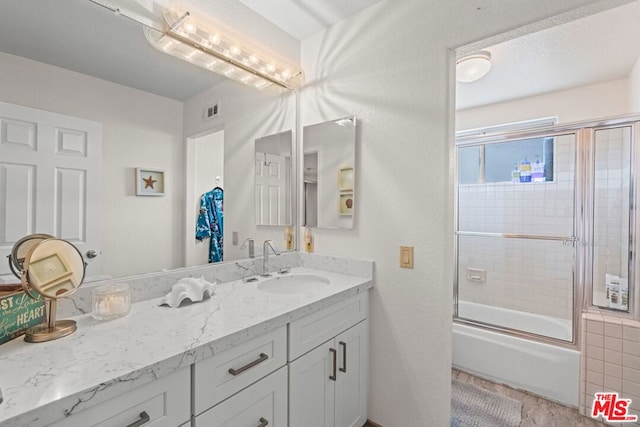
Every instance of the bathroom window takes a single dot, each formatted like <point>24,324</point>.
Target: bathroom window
<point>480,164</point>
<point>497,162</point>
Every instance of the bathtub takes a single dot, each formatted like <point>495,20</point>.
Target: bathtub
<point>547,370</point>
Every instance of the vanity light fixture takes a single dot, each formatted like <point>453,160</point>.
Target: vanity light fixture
<point>218,50</point>
<point>473,67</point>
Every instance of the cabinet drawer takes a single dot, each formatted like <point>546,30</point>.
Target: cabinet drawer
<point>165,402</point>
<point>262,404</point>
<point>309,332</point>
<point>224,374</point>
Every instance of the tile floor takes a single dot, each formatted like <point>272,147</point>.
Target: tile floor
<point>536,411</point>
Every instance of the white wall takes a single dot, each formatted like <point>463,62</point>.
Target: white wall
<point>245,115</point>
<point>583,103</point>
<point>634,88</point>
<point>390,66</point>
<point>140,130</point>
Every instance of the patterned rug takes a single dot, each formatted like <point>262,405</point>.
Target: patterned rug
<point>472,406</point>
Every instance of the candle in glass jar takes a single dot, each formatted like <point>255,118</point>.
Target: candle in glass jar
<point>111,301</point>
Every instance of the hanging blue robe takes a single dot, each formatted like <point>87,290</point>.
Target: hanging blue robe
<point>210,220</point>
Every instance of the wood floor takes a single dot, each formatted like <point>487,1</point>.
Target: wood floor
<point>536,411</point>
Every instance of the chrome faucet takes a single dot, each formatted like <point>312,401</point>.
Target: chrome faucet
<point>265,257</point>
<point>251,251</point>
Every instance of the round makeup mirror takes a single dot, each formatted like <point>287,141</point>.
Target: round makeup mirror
<point>51,268</point>
<point>20,250</point>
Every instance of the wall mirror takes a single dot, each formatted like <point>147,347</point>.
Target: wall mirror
<point>329,189</point>
<point>273,195</point>
<point>147,105</point>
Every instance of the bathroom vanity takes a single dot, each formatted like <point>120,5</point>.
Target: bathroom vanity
<point>256,353</point>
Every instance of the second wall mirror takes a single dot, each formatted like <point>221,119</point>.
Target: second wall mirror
<point>273,181</point>
<point>329,173</point>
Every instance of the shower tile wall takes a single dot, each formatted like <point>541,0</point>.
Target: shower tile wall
<point>527,275</point>
<point>610,360</point>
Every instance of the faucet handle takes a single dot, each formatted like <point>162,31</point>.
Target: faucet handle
<point>251,247</point>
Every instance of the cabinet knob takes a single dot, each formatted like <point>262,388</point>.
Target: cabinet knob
<point>263,422</point>
<point>92,254</point>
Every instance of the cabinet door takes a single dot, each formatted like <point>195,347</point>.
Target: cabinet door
<point>262,404</point>
<point>311,391</point>
<point>351,384</point>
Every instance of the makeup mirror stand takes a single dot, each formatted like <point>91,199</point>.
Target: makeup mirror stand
<point>52,329</point>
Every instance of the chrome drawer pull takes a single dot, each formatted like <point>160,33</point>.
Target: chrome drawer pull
<point>335,357</point>
<point>344,356</point>
<point>260,359</point>
<point>144,418</point>
<point>263,422</point>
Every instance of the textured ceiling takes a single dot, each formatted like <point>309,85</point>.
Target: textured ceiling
<point>302,18</point>
<point>597,48</point>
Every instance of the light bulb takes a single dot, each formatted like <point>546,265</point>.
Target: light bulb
<point>253,59</point>
<point>214,39</point>
<point>271,68</point>
<point>189,28</point>
<point>235,50</point>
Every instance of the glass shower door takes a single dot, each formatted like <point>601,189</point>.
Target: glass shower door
<point>612,230</point>
<point>516,235</point>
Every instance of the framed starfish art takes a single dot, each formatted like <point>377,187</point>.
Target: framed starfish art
<point>149,182</point>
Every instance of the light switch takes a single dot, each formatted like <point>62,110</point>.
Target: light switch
<point>406,256</point>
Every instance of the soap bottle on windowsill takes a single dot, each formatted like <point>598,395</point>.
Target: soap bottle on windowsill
<point>525,170</point>
<point>515,174</point>
<point>537,170</point>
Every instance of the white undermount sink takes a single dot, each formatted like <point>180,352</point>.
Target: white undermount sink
<point>294,284</point>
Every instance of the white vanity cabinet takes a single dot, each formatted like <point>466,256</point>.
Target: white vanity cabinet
<point>164,402</point>
<point>328,384</point>
<point>260,405</point>
<point>238,387</point>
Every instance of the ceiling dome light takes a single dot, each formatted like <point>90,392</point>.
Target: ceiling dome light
<point>473,67</point>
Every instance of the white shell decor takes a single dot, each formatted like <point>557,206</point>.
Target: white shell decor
<point>190,288</point>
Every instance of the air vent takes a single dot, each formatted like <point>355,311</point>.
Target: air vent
<point>211,111</point>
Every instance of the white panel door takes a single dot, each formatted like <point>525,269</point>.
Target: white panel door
<point>50,168</point>
<point>271,193</point>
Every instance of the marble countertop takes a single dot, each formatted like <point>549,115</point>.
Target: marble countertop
<point>45,382</point>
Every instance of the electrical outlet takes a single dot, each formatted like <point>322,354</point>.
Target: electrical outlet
<point>234,238</point>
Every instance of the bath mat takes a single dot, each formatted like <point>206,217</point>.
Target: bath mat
<point>472,406</point>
